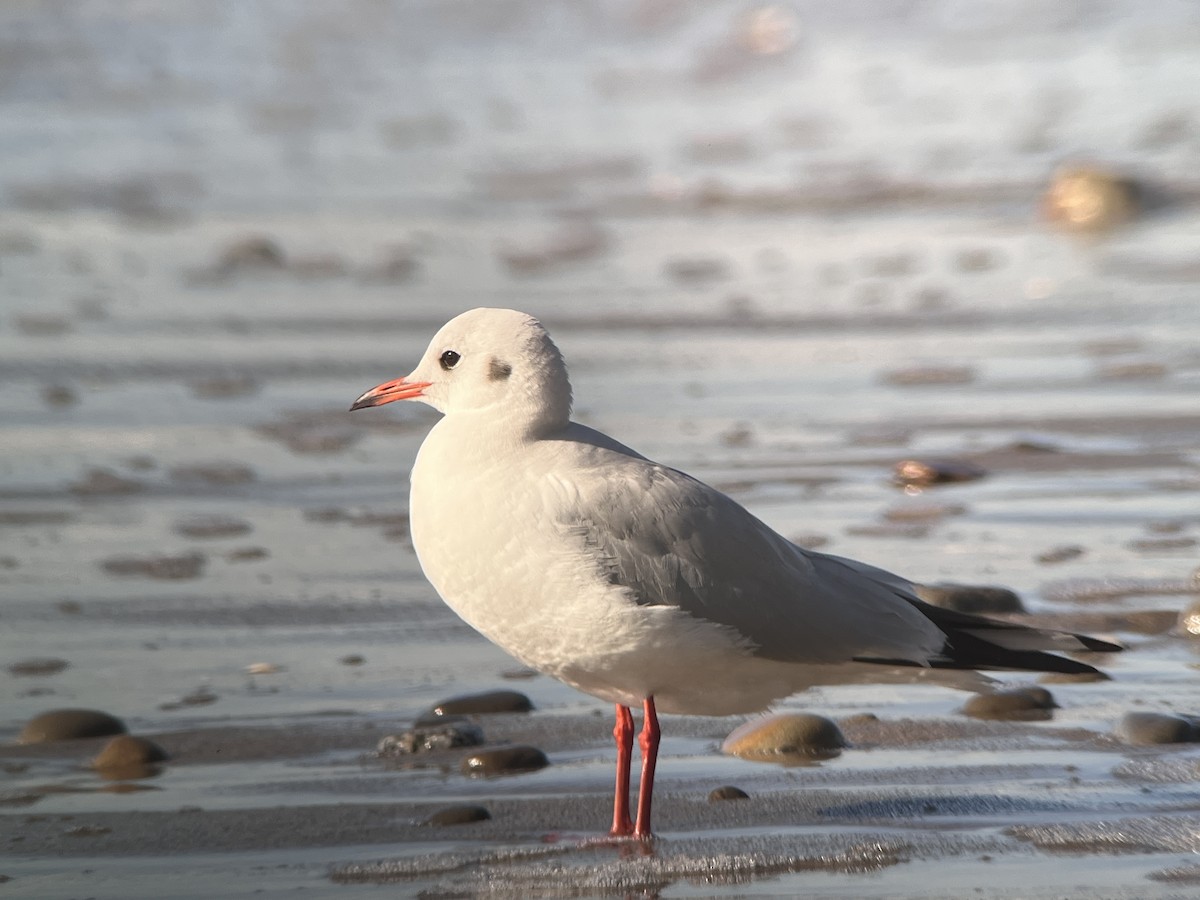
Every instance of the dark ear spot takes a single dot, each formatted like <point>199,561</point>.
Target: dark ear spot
<point>498,370</point>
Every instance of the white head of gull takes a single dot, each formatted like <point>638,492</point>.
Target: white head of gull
<point>632,581</point>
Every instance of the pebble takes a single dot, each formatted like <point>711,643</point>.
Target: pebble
<point>59,395</point>
<point>215,473</point>
<point>211,526</point>
<point>1059,554</point>
<point>727,792</point>
<point>253,253</point>
<point>970,598</point>
<point>486,703</point>
<point>924,472</point>
<point>786,735</point>
<point>504,761</point>
<point>104,482</point>
<point>1157,728</point>
<point>353,659</point>
<point>921,376</point>
<point>1027,704</point>
<point>1090,198</point>
<point>1189,619</point>
<point>264,668</point>
<point>126,756</point>
<point>68,725</point>
<point>1074,677</point>
<point>448,735</point>
<point>462,814</point>
<point>167,568</point>
<point>38,667</point>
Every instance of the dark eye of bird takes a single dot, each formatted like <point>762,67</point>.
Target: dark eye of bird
<point>449,360</point>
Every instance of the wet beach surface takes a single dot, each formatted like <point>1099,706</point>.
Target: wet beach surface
<point>798,254</point>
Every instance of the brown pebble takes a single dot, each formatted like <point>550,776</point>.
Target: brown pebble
<point>922,376</point>
<point>970,598</point>
<point>1089,198</point>
<point>211,526</point>
<point>216,473</point>
<point>1073,677</point>
<point>103,482</point>
<point>779,737</point>
<point>727,792</point>
<point>1027,704</point>
<point>924,472</point>
<point>486,703</point>
<point>59,395</point>
<point>1162,544</point>
<point>129,758</point>
<point>1189,619</point>
<point>462,814</point>
<point>923,512</point>
<point>38,667</point>
<point>446,736</point>
<point>253,253</point>
<point>1144,728</point>
<point>1059,554</point>
<point>69,724</point>
<point>504,761</point>
<point>167,568</point>
<point>353,659</point>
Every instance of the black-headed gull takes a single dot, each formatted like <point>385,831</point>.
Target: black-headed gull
<point>632,581</point>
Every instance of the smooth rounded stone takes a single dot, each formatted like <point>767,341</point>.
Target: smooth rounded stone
<point>445,736</point>
<point>104,483</point>
<point>59,395</point>
<point>1027,704</point>
<point>251,253</point>
<point>923,512</point>
<point>126,751</point>
<point>483,704</point>
<point>1060,554</point>
<point>166,568</point>
<point>38,667</point>
<point>353,659</point>
<point>211,526</point>
<point>1143,728</point>
<point>928,376</point>
<point>775,738</point>
<point>1189,619</point>
<point>462,814</point>
<point>1073,677</point>
<point>1089,198</point>
<point>727,792</point>
<point>924,472</point>
<point>504,761</point>
<point>970,598</point>
<point>69,725</point>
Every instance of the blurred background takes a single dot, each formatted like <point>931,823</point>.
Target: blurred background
<point>915,281</point>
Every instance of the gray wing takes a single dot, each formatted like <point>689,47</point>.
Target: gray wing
<point>670,540</point>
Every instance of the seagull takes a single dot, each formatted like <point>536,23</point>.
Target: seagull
<point>634,582</point>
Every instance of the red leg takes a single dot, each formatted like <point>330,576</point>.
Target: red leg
<point>648,741</point>
<point>622,825</point>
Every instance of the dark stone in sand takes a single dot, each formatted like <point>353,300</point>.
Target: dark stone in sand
<point>211,526</point>
<point>775,738</point>
<point>170,568</point>
<point>969,598</point>
<point>103,482</point>
<point>444,736</point>
<point>1028,704</point>
<point>1059,554</point>
<point>224,388</point>
<point>1162,544</point>
<point>247,554</point>
<point>922,376</point>
<point>254,253</point>
<point>68,725</point>
<point>1073,677</point>
<point>486,703</point>
<point>215,473</point>
<point>924,472</point>
<point>727,792</point>
<point>463,814</point>
<point>353,659</point>
<point>1157,728</point>
<point>129,758</point>
<point>1189,620</point>
<point>504,761</point>
<point>59,395</point>
<point>38,667</point>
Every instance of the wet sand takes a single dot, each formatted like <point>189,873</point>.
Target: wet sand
<point>785,270</point>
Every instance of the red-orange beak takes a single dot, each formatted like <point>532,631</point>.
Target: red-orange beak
<point>389,391</point>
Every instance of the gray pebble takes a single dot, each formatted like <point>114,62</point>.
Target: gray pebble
<point>1157,728</point>
<point>1028,704</point>
<point>727,792</point>
<point>504,761</point>
<point>445,736</point>
<point>969,598</point>
<point>486,703</point>
<point>462,814</point>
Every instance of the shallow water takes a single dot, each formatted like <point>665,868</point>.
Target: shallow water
<point>747,258</point>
